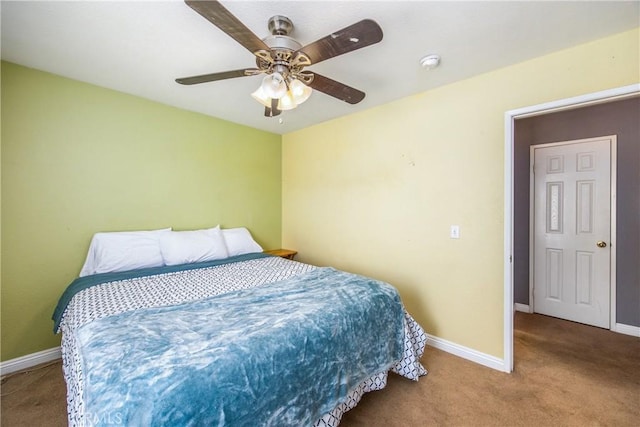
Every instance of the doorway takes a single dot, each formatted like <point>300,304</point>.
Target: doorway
<point>511,204</point>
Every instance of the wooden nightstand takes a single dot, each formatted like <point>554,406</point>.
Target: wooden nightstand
<point>284,253</point>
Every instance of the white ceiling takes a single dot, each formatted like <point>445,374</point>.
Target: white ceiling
<point>140,47</point>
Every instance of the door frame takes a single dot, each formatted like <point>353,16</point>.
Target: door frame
<point>612,209</point>
<point>509,124</point>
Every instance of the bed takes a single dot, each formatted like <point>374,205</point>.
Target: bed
<point>243,340</point>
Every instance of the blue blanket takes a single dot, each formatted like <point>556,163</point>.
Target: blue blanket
<point>282,354</point>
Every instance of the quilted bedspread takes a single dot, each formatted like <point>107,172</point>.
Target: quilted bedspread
<point>281,354</point>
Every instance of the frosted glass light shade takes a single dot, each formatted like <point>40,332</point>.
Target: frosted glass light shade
<point>274,86</point>
<point>261,96</point>
<point>300,91</point>
<point>287,102</point>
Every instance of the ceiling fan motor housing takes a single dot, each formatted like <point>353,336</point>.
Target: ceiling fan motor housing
<point>282,42</point>
<point>281,58</point>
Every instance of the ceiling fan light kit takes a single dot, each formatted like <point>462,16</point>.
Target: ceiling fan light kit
<point>286,84</point>
<point>289,96</point>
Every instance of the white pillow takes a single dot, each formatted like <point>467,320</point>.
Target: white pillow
<point>122,251</point>
<point>185,247</point>
<point>239,241</point>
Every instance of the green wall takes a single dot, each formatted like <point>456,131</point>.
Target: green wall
<point>77,159</point>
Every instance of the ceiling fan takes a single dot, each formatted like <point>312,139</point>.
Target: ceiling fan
<point>287,84</point>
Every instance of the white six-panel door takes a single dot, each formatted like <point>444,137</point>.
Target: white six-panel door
<point>572,230</point>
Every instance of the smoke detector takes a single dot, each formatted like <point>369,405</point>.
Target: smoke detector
<point>430,62</point>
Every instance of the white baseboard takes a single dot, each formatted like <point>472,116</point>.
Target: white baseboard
<point>33,359</point>
<point>627,329</point>
<point>522,307</point>
<point>29,361</point>
<point>467,353</point>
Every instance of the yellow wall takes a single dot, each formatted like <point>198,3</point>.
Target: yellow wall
<point>77,159</point>
<point>376,192</point>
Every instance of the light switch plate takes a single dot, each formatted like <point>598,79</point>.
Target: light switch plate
<point>454,233</point>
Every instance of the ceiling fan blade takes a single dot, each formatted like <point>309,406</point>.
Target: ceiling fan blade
<point>217,76</point>
<point>356,36</point>
<point>219,16</point>
<point>336,89</point>
<point>273,111</point>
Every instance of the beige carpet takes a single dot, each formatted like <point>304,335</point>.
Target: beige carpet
<point>566,374</point>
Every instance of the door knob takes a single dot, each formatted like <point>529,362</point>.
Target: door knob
<point>601,244</point>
